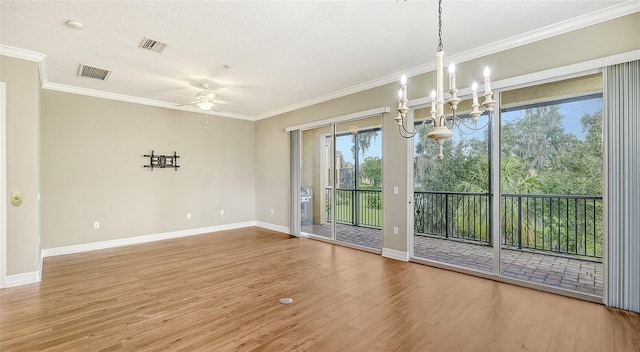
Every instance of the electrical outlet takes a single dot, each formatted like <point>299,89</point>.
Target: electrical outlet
<point>221,211</point>
<point>96,224</point>
<point>395,190</point>
<point>271,211</point>
<point>188,215</point>
<point>395,230</point>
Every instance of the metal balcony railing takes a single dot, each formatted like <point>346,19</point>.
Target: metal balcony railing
<point>357,207</point>
<point>565,224</point>
<point>463,216</point>
<point>553,224</point>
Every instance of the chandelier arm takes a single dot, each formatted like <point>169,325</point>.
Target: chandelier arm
<point>454,117</point>
<point>466,133</point>
<point>475,128</point>
<point>408,135</point>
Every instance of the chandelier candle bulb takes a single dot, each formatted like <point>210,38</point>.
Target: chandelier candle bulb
<point>452,76</point>
<point>403,82</point>
<point>399,117</point>
<point>433,101</point>
<point>487,80</point>
<point>474,91</point>
<point>402,107</point>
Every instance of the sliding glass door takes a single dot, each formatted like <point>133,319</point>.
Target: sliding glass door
<point>451,196</point>
<point>552,181</point>
<point>316,176</point>
<point>541,220</point>
<point>358,189</point>
<point>341,182</point>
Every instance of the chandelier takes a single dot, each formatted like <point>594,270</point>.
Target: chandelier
<point>442,125</point>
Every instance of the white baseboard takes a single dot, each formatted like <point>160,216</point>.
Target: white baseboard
<point>273,227</point>
<point>395,254</point>
<point>78,248</point>
<point>22,279</point>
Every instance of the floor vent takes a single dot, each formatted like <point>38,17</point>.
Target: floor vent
<point>153,45</point>
<point>93,72</point>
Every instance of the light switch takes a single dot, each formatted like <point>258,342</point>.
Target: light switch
<point>16,198</point>
<point>395,190</point>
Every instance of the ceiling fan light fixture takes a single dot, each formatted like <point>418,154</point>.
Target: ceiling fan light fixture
<point>205,105</point>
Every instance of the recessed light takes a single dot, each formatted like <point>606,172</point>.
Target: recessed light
<point>75,24</point>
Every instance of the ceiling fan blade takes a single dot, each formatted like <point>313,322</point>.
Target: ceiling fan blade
<point>182,95</point>
<point>225,102</point>
<point>189,103</point>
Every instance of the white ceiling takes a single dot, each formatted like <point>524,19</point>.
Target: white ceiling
<point>282,55</point>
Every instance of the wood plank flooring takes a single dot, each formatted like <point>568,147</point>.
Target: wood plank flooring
<point>220,291</point>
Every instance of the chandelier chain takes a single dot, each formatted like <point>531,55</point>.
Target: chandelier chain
<point>439,25</point>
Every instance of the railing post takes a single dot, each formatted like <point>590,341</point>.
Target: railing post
<point>327,210</point>
<point>356,207</point>
<point>489,211</point>
<point>519,222</point>
<point>446,216</point>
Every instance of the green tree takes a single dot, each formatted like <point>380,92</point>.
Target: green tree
<point>364,142</point>
<point>536,138</point>
<point>371,170</point>
<point>461,158</point>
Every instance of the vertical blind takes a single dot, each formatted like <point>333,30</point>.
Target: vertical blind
<point>622,131</point>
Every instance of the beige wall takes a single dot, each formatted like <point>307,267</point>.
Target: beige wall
<point>92,170</point>
<point>272,164</point>
<point>23,149</point>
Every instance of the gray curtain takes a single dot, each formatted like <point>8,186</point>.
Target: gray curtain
<point>294,166</point>
<point>622,134</point>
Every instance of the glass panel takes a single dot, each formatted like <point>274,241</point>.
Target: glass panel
<point>551,163</point>
<point>359,193</point>
<point>451,196</point>
<point>316,177</point>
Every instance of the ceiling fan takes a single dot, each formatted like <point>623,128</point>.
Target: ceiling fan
<point>205,100</point>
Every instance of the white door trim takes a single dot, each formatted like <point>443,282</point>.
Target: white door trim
<point>3,185</point>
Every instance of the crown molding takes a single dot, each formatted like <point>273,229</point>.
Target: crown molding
<point>607,14</point>
<point>27,55</point>
<point>21,53</point>
<point>136,100</point>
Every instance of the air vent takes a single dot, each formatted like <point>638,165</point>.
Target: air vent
<point>93,72</point>
<point>152,45</point>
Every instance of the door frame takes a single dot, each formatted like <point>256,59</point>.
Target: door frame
<point>3,185</point>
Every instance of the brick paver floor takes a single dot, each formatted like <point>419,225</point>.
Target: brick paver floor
<point>573,274</point>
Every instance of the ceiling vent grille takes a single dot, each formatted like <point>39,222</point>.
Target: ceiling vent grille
<point>93,72</point>
<point>153,45</point>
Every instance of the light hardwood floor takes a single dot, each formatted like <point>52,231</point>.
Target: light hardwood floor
<point>220,291</point>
